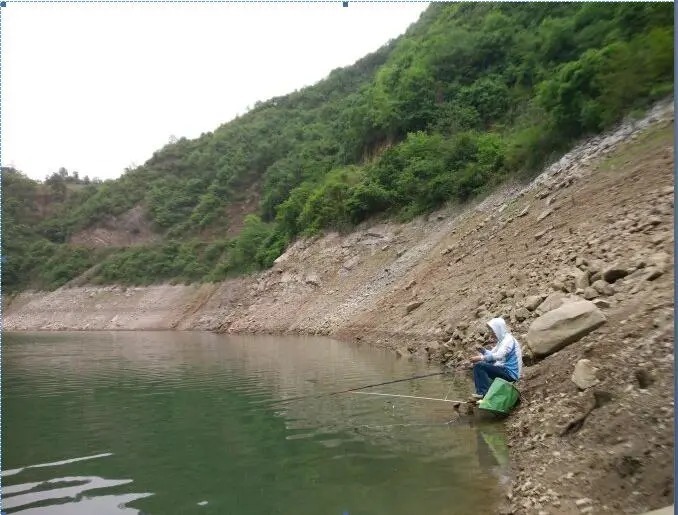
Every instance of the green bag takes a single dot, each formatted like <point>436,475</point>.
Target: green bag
<point>501,398</point>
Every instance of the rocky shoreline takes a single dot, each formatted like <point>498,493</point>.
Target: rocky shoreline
<point>579,262</point>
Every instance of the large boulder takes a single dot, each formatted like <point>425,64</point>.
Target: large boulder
<point>562,326</point>
<point>555,300</point>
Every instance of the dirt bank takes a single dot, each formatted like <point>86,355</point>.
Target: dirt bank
<point>596,225</point>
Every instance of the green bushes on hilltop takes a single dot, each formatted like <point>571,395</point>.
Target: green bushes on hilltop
<point>472,94</point>
<point>192,260</point>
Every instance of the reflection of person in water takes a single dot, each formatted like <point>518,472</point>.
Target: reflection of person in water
<point>492,450</point>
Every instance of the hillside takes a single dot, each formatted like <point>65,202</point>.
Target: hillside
<point>472,96</point>
<point>596,225</point>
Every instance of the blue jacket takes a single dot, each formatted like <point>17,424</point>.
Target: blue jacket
<point>507,353</point>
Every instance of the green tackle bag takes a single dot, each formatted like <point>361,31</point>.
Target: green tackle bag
<point>501,398</point>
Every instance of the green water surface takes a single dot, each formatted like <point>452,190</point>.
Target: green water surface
<point>173,423</point>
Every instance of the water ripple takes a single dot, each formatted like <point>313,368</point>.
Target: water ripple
<point>54,463</point>
<point>66,493</point>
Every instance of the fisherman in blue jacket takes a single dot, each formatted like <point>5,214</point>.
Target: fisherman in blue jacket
<point>505,360</point>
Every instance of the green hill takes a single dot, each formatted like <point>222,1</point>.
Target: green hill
<point>470,95</point>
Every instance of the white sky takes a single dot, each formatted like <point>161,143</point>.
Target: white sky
<point>97,87</point>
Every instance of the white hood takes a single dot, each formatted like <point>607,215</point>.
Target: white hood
<point>498,327</point>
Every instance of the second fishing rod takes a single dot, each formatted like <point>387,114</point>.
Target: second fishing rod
<point>349,390</point>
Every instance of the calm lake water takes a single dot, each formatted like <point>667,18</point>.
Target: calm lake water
<point>165,423</point>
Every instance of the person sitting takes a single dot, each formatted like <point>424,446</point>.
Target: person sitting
<point>505,360</point>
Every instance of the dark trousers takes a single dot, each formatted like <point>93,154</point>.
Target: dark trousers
<point>484,373</point>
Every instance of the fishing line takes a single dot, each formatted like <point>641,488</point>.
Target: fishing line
<point>349,390</point>
<point>449,390</point>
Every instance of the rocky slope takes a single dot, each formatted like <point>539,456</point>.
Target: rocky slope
<point>579,262</point>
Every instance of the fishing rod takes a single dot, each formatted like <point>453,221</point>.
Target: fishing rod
<point>455,401</point>
<point>349,390</point>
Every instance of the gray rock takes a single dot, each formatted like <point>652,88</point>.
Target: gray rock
<point>546,213</point>
<point>639,261</point>
<point>432,348</point>
<point>563,326</point>
<point>653,273</point>
<point>350,263</point>
<point>660,260</point>
<point>402,353</point>
<point>652,221</point>
<point>603,287</point>
<point>373,234</point>
<point>313,279</point>
<point>657,239</point>
<point>584,375</point>
<point>581,279</point>
<point>590,293</point>
<point>636,274</point>
<point>602,303</point>
<point>413,305</point>
<point>533,301</point>
<point>559,286</point>
<point>521,314</point>
<point>524,211</point>
<point>596,266</point>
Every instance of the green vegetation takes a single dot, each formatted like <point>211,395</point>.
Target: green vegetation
<point>470,95</point>
<point>32,242</point>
